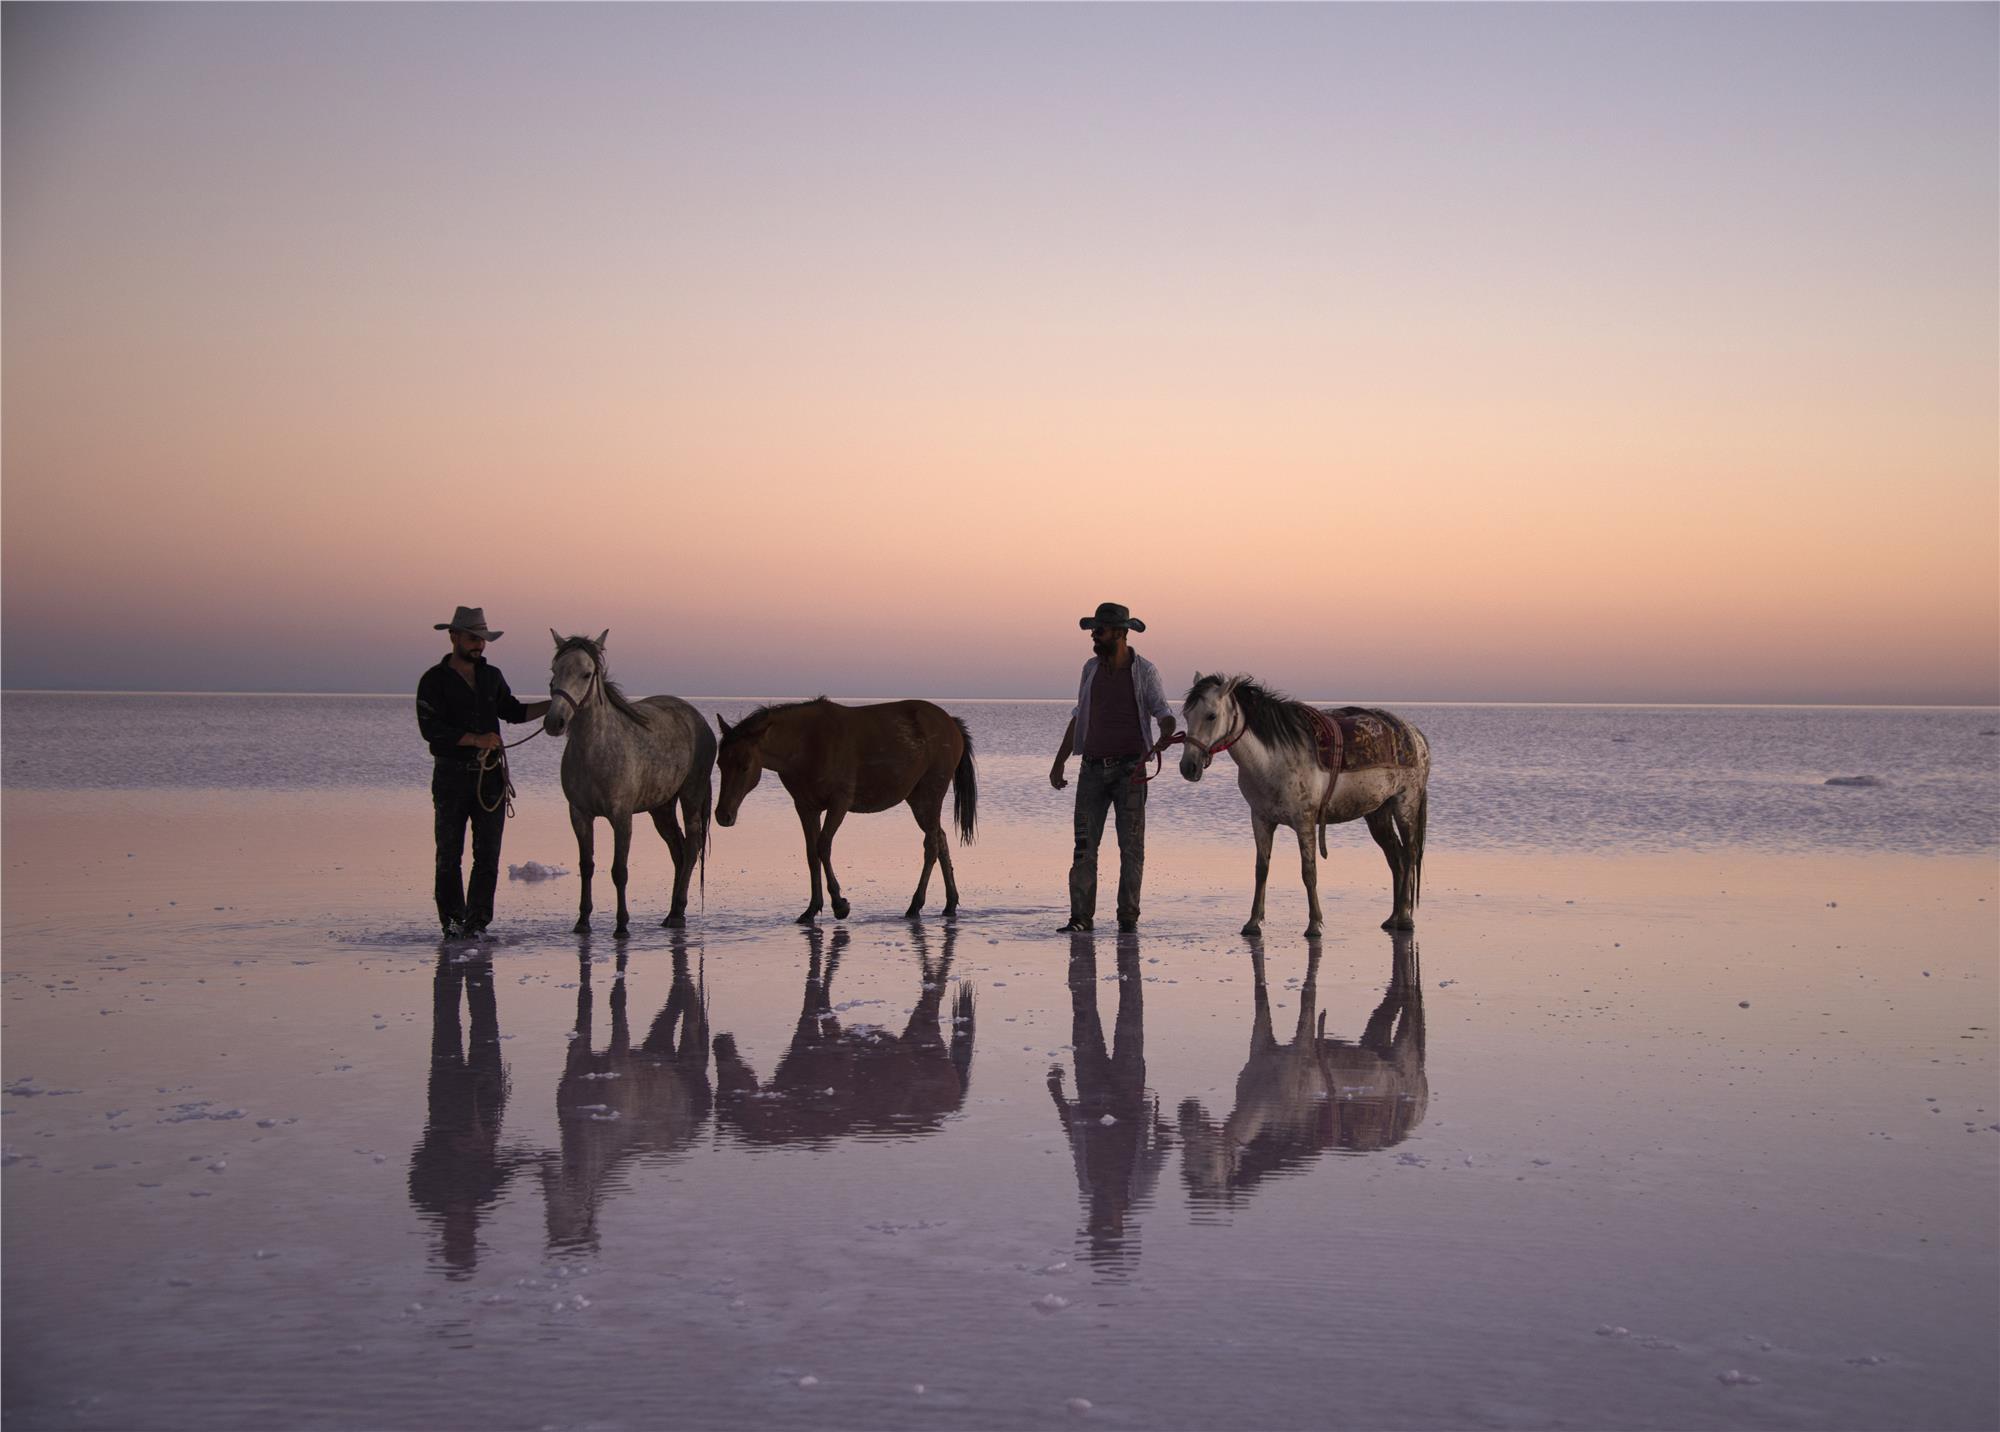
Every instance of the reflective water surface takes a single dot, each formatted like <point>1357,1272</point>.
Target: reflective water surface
<point>1689,1137</point>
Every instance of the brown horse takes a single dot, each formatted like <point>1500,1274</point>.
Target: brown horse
<point>834,759</point>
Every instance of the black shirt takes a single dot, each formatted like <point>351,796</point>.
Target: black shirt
<point>447,708</point>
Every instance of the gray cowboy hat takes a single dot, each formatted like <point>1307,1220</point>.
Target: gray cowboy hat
<point>471,621</point>
<point>1110,614</point>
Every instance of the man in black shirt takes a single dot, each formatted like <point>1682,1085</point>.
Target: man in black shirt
<point>460,704</point>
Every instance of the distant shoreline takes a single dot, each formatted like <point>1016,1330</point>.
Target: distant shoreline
<point>1067,700</point>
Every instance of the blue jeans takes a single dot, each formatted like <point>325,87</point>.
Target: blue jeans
<point>1101,788</point>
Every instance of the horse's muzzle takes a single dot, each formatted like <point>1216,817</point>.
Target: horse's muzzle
<point>1192,765</point>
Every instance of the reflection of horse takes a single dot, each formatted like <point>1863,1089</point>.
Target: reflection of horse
<point>625,756</point>
<point>1114,1128</point>
<point>458,1171</point>
<point>835,759</point>
<point>834,1082</point>
<point>624,1103</point>
<point>1308,769</point>
<point>1295,1101</point>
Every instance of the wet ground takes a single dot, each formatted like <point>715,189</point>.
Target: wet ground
<point>1662,1141</point>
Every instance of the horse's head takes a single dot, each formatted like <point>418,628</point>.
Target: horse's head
<point>742,760</point>
<point>575,677</point>
<point>1209,719</point>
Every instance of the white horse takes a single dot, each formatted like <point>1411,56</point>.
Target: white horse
<point>1381,774</point>
<point>625,756</point>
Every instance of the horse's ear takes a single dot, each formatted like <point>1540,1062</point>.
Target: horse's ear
<point>556,636</point>
<point>724,725</point>
<point>601,636</point>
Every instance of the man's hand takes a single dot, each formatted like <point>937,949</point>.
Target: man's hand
<point>487,741</point>
<point>1056,776</point>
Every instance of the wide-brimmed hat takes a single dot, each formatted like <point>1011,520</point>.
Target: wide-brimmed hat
<point>1110,614</point>
<point>471,621</point>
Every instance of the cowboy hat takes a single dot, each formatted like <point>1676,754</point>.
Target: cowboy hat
<point>1110,614</point>
<point>471,621</point>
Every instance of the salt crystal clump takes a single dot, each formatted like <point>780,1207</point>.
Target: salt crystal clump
<point>534,870</point>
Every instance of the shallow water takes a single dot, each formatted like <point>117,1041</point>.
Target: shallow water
<point>1647,1135</point>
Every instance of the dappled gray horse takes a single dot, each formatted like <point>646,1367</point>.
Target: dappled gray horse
<point>625,756</point>
<point>1308,769</point>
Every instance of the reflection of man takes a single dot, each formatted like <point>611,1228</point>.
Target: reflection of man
<point>1115,1133</point>
<point>457,1172</point>
<point>460,704</point>
<point>1117,702</point>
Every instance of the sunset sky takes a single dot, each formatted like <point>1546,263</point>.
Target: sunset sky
<point>1627,353</point>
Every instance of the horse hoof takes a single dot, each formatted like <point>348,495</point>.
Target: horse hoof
<point>1252,930</point>
<point>915,912</point>
<point>675,922</point>
<point>1312,932</point>
<point>1402,922</point>
<point>581,927</point>
<point>840,909</point>
<point>620,932</point>
<point>810,917</point>
<point>950,912</point>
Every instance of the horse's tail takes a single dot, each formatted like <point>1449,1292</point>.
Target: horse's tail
<point>707,824</point>
<point>1417,824</point>
<point>965,789</point>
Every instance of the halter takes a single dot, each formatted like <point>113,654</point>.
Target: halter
<point>1209,753</point>
<point>1181,738</point>
<point>596,674</point>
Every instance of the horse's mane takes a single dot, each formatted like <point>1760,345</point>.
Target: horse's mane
<point>757,720</point>
<point>1273,717</point>
<point>620,702</point>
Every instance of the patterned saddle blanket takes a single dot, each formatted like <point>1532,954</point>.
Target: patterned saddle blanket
<point>1358,738</point>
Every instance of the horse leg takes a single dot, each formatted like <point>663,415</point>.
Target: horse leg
<point>944,867</point>
<point>809,823</point>
<point>936,839</point>
<point>1382,825</point>
<point>1407,810</point>
<point>1309,872</point>
<point>933,838</point>
<point>835,814</point>
<point>621,850</point>
<point>1262,830</point>
<point>584,827</point>
<point>669,828</point>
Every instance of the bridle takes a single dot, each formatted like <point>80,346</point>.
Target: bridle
<point>556,693</point>
<point>1182,738</point>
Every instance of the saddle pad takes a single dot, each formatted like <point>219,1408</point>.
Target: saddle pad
<point>1355,738</point>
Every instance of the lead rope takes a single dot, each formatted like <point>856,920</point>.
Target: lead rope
<point>497,761</point>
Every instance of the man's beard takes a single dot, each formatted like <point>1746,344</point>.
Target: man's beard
<point>1104,645</point>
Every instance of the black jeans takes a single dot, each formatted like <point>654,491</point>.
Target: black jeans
<point>1101,788</point>
<point>455,799</point>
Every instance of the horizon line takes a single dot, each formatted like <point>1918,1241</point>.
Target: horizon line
<point>1066,700</point>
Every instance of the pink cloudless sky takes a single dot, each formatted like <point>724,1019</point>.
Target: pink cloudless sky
<point>1630,353</point>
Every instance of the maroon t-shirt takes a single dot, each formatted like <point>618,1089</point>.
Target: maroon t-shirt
<point>1114,715</point>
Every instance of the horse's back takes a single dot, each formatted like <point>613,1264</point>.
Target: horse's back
<point>693,726</point>
<point>642,767</point>
<point>1378,737</point>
